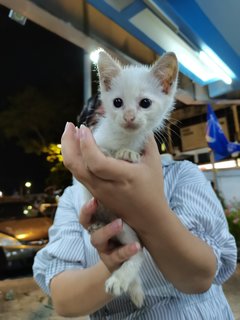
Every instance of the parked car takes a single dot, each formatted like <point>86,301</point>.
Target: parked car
<point>23,231</point>
<point>48,209</point>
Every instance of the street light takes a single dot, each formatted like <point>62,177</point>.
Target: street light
<point>28,185</point>
<point>94,55</point>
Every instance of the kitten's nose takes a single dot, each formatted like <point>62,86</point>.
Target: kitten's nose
<point>129,117</point>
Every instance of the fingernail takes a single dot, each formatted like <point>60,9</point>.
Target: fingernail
<point>135,247</point>
<point>92,203</point>
<point>116,224</point>
<point>82,132</point>
<point>66,126</point>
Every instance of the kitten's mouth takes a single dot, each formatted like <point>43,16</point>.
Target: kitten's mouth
<point>131,126</point>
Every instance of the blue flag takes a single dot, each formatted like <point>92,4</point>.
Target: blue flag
<point>216,138</point>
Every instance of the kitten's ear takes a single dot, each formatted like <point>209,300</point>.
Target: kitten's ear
<point>107,69</point>
<point>165,70</point>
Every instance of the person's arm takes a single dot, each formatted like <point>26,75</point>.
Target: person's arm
<point>185,260</point>
<point>80,292</point>
<point>135,192</point>
<point>188,252</point>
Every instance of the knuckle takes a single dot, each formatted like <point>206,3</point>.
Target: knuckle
<point>121,256</point>
<point>67,163</point>
<point>94,241</point>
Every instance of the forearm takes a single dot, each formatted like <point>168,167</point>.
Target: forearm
<point>80,292</point>
<point>185,260</point>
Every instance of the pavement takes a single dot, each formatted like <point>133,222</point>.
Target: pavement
<point>21,299</point>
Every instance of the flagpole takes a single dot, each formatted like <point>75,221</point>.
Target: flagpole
<point>214,171</point>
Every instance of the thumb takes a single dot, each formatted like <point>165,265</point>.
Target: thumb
<point>151,148</point>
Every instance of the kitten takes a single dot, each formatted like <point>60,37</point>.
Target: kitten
<point>137,100</point>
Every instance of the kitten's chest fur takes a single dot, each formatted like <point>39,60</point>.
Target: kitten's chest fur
<point>111,138</point>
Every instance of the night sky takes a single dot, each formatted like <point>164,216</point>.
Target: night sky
<point>32,56</point>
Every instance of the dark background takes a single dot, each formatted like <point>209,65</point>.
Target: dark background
<point>32,56</point>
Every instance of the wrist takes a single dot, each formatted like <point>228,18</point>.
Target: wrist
<point>158,215</point>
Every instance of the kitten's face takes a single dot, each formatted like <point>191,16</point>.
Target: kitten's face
<point>137,98</point>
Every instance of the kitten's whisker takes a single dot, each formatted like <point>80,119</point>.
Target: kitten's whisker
<point>160,137</point>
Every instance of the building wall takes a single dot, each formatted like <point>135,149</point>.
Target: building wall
<point>228,183</point>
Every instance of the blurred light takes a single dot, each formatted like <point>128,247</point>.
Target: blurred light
<point>216,69</point>
<point>8,241</point>
<point>94,55</point>
<point>219,62</point>
<point>226,164</point>
<point>21,236</point>
<point>1,194</point>
<point>25,211</point>
<point>59,145</point>
<point>160,33</point>
<point>28,184</point>
<point>238,162</point>
<point>207,166</point>
<point>17,17</point>
<point>219,165</point>
<point>163,147</point>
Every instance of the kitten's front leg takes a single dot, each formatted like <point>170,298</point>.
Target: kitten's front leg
<point>126,278</point>
<point>127,155</point>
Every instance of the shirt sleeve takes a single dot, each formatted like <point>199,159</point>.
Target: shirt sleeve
<point>199,209</point>
<point>65,249</point>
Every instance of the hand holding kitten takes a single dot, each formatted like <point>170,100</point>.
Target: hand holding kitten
<point>111,181</point>
<point>112,254</point>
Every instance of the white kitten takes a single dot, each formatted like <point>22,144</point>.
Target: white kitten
<point>136,100</point>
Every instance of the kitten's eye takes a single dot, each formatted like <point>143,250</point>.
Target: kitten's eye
<point>145,103</point>
<point>118,102</point>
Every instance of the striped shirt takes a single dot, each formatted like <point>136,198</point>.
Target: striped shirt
<point>192,199</point>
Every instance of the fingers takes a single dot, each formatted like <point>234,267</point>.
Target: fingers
<point>72,156</point>
<point>112,256</point>
<point>100,238</point>
<point>70,146</point>
<point>122,254</point>
<point>87,213</point>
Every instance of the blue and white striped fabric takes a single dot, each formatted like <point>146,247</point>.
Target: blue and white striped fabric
<point>192,199</point>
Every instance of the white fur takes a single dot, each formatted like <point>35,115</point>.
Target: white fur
<point>131,84</point>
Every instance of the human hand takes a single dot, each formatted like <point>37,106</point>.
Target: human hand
<point>111,253</point>
<point>133,191</point>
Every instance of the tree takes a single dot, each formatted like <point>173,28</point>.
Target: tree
<point>35,120</point>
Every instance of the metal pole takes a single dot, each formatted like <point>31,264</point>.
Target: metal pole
<point>87,66</point>
<point>87,77</point>
<point>236,122</point>
<point>214,171</point>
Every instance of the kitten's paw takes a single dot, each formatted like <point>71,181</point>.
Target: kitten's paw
<point>127,155</point>
<point>136,293</point>
<point>116,285</point>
